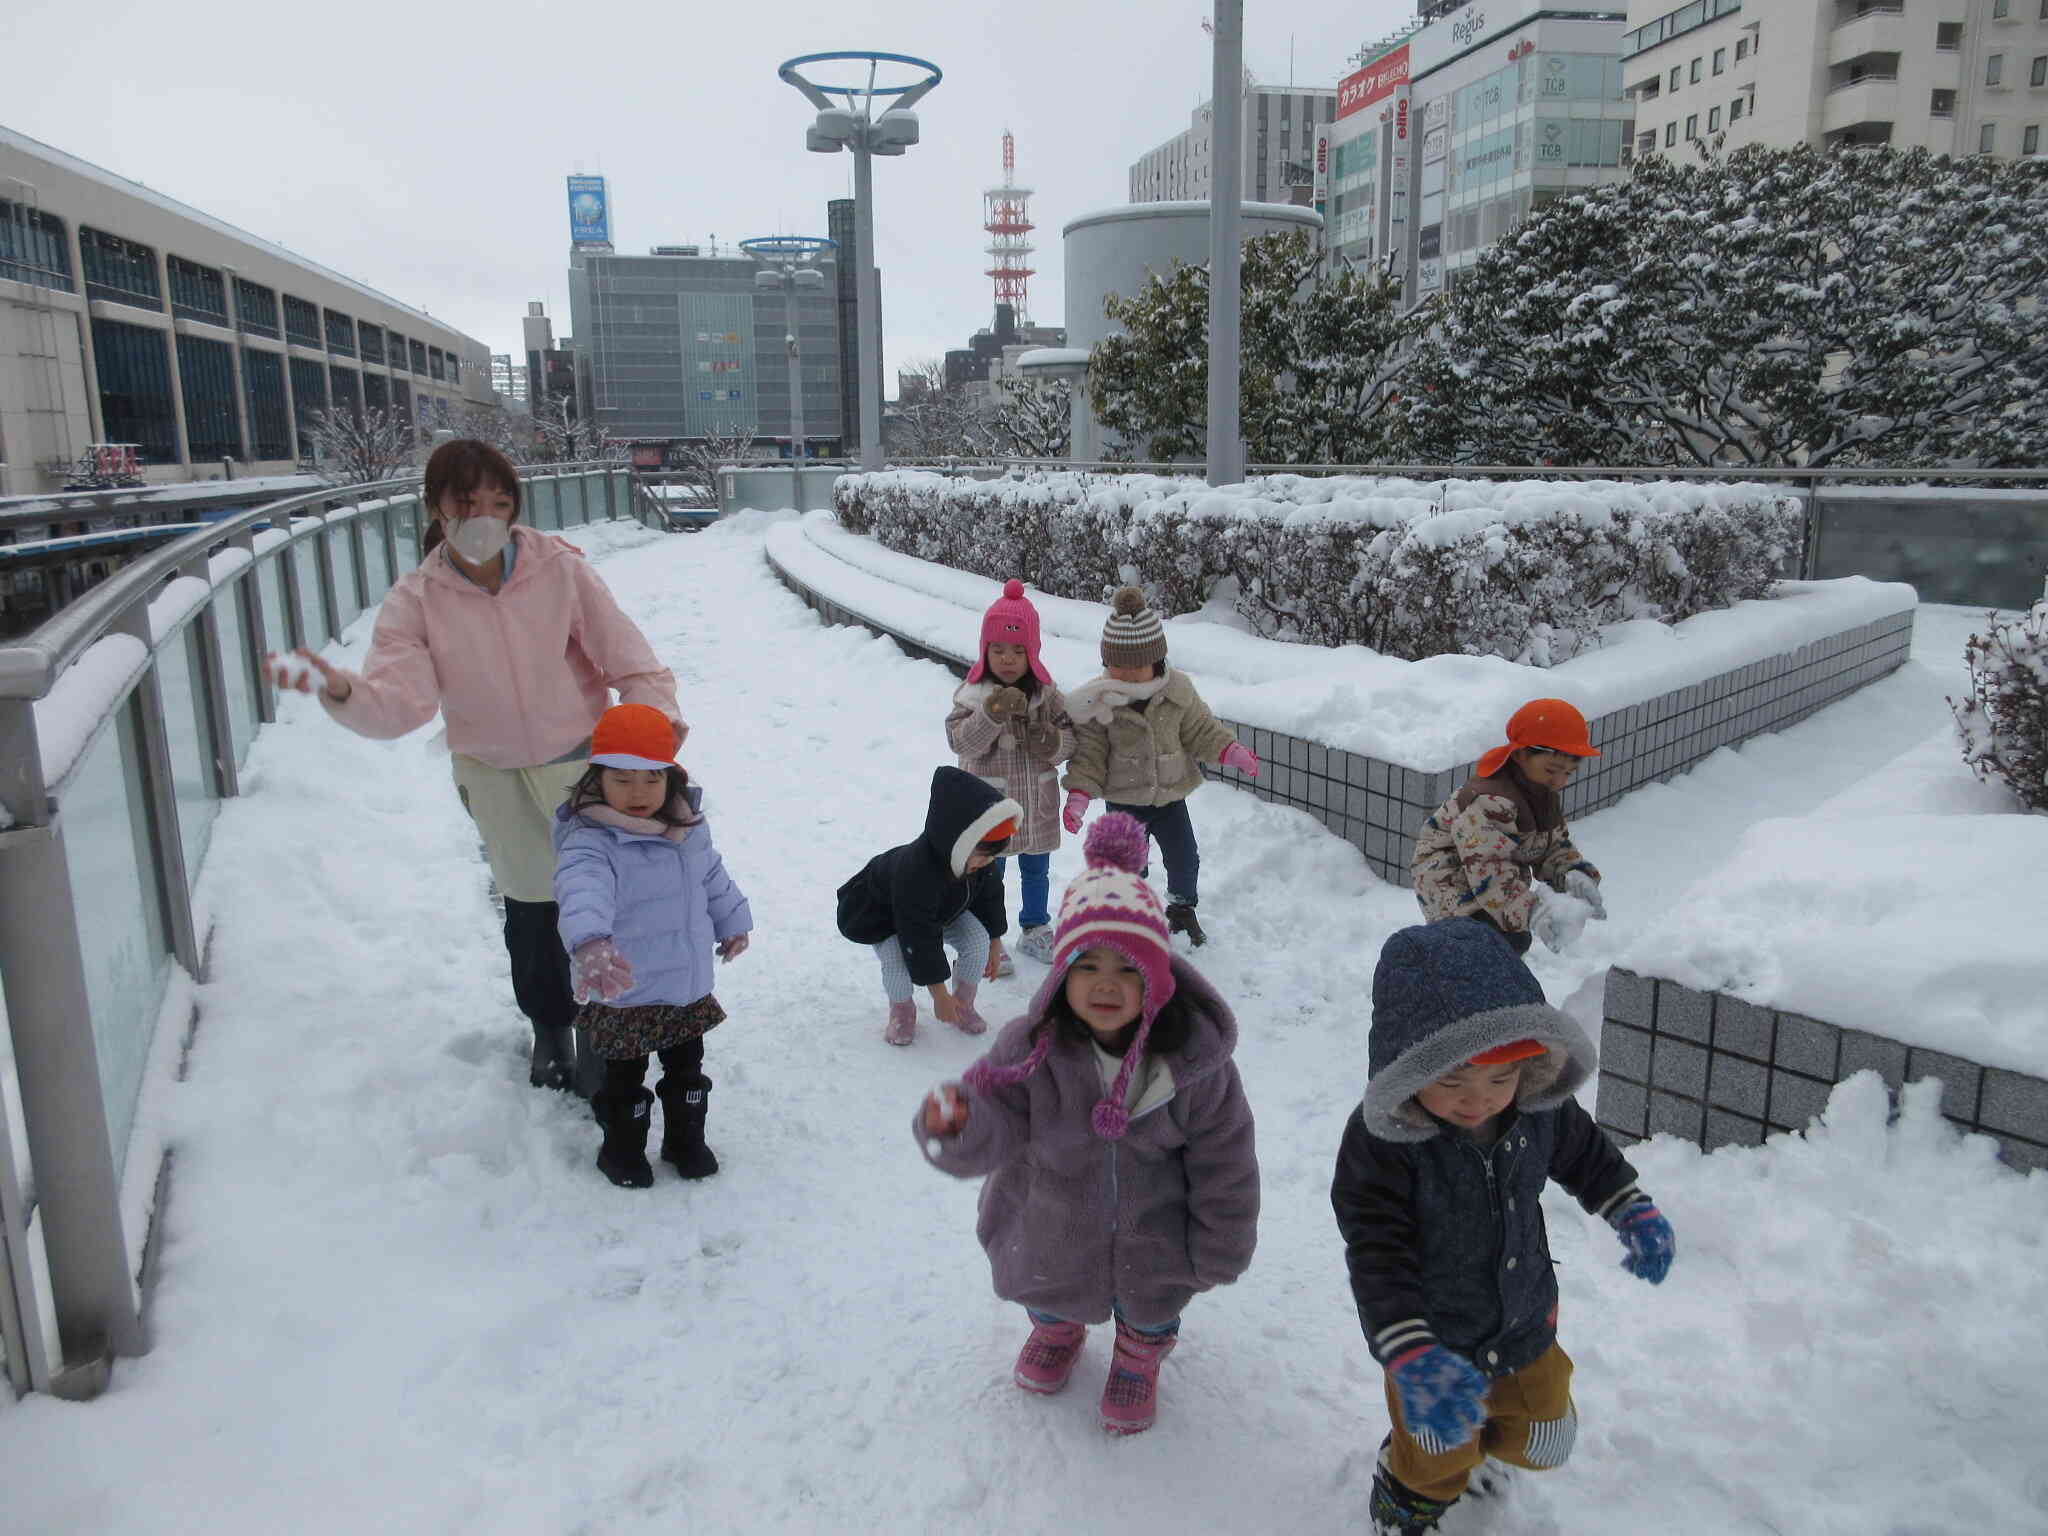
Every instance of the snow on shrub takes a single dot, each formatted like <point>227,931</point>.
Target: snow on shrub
<point>2004,722</point>
<point>1527,570</point>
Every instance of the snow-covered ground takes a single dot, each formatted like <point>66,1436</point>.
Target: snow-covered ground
<point>396,1296</point>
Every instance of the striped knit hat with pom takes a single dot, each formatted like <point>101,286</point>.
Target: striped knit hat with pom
<point>1133,637</point>
<point>1107,906</point>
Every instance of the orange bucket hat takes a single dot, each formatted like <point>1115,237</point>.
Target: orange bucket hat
<point>1550,723</point>
<point>1516,1050</point>
<point>633,736</point>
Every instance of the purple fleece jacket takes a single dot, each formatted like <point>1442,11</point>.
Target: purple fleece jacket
<point>1072,1222</point>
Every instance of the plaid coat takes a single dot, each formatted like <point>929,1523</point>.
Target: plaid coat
<point>996,752</point>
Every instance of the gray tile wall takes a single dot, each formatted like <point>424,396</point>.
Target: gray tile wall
<point>1720,1072</point>
<point>1378,806</point>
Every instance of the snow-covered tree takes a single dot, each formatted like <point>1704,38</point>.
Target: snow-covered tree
<point>1773,307</point>
<point>702,460</point>
<point>933,422</point>
<point>567,438</point>
<point>2003,724</point>
<point>512,433</point>
<point>1033,419</point>
<point>1317,359</point>
<point>359,446</point>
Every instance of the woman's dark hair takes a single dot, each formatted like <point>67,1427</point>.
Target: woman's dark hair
<point>1170,1029</point>
<point>459,467</point>
<point>589,791</point>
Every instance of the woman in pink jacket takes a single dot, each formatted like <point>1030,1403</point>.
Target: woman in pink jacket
<point>510,635</point>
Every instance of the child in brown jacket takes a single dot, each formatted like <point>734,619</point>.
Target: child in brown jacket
<point>1482,852</point>
<point>1141,735</point>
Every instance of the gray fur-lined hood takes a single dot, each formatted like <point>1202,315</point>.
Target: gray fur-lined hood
<point>1445,992</point>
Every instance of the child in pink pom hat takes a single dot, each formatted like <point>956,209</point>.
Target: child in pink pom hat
<point>1122,1177</point>
<point>1009,725</point>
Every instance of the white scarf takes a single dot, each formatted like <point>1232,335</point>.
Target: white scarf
<point>1094,703</point>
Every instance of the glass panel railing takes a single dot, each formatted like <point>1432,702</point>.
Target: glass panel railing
<point>405,528</point>
<point>377,576</point>
<point>277,634</point>
<point>127,957</point>
<point>305,557</point>
<point>231,619</point>
<point>188,728</point>
<point>341,556</point>
<point>547,501</point>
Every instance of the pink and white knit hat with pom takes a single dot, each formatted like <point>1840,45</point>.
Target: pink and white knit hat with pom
<point>1108,906</point>
<point>1010,620</point>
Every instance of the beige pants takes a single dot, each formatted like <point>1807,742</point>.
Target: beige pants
<point>1530,1422</point>
<point>514,810</point>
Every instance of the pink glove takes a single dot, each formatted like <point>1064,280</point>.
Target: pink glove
<point>1241,757</point>
<point>601,972</point>
<point>1077,807</point>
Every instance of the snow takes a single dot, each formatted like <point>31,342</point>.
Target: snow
<point>1053,357</point>
<point>1424,715</point>
<point>383,1251</point>
<point>71,716</point>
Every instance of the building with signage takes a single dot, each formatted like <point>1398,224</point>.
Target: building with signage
<point>1447,138</point>
<point>1281,124</point>
<point>130,320</point>
<point>1949,76</point>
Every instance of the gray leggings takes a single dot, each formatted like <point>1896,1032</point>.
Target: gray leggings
<point>964,933</point>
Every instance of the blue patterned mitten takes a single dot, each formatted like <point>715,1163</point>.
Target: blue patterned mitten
<point>1443,1395</point>
<point>1649,1240</point>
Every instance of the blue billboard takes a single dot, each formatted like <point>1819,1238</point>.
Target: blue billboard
<point>590,219</point>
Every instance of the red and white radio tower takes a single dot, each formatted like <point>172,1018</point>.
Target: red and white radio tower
<point>1007,217</point>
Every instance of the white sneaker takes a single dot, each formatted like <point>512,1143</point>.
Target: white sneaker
<point>1037,943</point>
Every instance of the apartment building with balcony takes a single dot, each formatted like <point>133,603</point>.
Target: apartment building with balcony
<point>1950,76</point>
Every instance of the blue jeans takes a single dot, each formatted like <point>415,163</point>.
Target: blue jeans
<point>1034,873</point>
<point>1175,834</point>
<point>1162,1330</point>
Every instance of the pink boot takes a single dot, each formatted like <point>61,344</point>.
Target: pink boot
<point>969,1022</point>
<point>1048,1356</point>
<point>902,1026</point>
<point>1130,1398</point>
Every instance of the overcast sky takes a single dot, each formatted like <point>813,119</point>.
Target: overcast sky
<point>421,147</point>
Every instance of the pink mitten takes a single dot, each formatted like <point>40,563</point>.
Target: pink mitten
<point>600,972</point>
<point>1077,807</point>
<point>1241,757</point>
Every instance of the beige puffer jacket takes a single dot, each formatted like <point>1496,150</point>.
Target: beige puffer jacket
<point>1126,755</point>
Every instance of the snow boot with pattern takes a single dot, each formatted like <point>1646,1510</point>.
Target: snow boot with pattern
<point>902,1026</point>
<point>1048,1356</point>
<point>1180,918</point>
<point>684,1103</point>
<point>1130,1398</point>
<point>625,1120</point>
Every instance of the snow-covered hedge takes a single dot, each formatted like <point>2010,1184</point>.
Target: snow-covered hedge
<point>2004,722</point>
<point>1412,569</point>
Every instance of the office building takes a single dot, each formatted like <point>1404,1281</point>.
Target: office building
<point>1280,124</point>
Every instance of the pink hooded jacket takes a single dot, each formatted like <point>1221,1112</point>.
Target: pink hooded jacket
<point>520,676</point>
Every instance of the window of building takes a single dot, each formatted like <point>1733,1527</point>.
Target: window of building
<point>2000,9</point>
<point>1948,36</point>
<point>376,392</point>
<point>401,398</point>
<point>1942,104</point>
<point>1286,109</point>
<point>119,271</point>
<point>1735,110</point>
<point>436,367</point>
<point>197,293</point>
<point>1714,120</point>
<point>302,324</point>
<point>1646,143</point>
<point>419,356</point>
<point>1987,139</point>
<point>2030,140</point>
<point>1741,49</point>
<point>454,369</point>
<point>1994,69</point>
<point>309,394</point>
<point>1262,107</point>
<point>1720,61</point>
<point>1692,125</point>
<point>269,420</point>
<point>341,333</point>
<point>347,389</point>
<point>1693,74</point>
<point>1676,72</point>
<point>206,369</point>
<point>371,341</point>
<point>256,307</point>
<point>135,388</point>
<point>1670,134</point>
<point>33,247</point>
<point>2038,75</point>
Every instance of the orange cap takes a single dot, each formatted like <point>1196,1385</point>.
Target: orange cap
<point>1548,723</point>
<point>1501,1055</point>
<point>1001,832</point>
<point>633,736</point>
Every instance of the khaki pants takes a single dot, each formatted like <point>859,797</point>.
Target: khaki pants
<point>1530,1422</point>
<point>514,811</point>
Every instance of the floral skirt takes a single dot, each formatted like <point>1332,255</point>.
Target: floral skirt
<point>623,1032</point>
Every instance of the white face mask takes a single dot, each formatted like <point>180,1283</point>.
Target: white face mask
<point>478,539</point>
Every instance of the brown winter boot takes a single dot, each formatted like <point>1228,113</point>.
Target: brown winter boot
<point>1180,918</point>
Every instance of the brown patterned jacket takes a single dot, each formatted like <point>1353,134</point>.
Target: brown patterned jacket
<point>1482,851</point>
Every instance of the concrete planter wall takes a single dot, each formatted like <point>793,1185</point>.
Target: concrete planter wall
<point>1721,1072</point>
<point>1377,806</point>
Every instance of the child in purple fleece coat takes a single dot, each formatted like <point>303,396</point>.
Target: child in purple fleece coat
<point>1115,1134</point>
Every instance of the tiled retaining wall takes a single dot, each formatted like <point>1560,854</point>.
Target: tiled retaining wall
<point>1378,806</point>
<point>1722,1072</point>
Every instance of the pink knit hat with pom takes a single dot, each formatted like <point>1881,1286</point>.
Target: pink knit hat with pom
<point>1108,906</point>
<point>1010,620</point>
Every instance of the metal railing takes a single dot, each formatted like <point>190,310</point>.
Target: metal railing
<point>125,721</point>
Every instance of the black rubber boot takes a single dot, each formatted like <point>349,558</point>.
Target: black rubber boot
<point>588,1080</point>
<point>553,1062</point>
<point>1181,919</point>
<point>625,1120</point>
<point>1396,1509</point>
<point>684,1102</point>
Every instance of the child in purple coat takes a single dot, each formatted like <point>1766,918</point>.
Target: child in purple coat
<point>1115,1134</point>
<point>644,900</point>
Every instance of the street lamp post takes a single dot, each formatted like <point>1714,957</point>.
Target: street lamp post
<point>782,257</point>
<point>856,127</point>
<point>1226,198</point>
